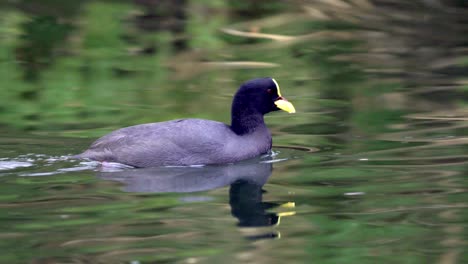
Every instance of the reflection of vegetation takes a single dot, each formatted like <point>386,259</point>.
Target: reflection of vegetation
<point>256,8</point>
<point>388,183</point>
<point>41,36</point>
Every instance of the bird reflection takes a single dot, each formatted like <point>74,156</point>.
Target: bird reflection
<point>245,194</point>
<point>246,203</point>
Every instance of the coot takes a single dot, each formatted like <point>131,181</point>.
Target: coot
<point>185,142</point>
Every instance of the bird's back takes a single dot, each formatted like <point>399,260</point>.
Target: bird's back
<point>177,142</point>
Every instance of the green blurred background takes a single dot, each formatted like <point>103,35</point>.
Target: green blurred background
<point>376,155</point>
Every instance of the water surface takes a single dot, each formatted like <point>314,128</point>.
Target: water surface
<point>371,169</point>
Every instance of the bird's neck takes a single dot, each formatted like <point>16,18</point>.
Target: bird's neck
<point>245,121</point>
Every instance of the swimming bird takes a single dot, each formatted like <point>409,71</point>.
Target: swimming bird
<point>185,142</point>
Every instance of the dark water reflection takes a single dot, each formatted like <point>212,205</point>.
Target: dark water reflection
<point>189,179</point>
<point>381,92</point>
<point>245,181</point>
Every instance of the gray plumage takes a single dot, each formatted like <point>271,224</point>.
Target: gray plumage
<point>178,143</point>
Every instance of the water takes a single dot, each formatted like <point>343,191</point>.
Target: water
<point>371,168</point>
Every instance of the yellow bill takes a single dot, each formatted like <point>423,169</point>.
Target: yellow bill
<point>285,106</point>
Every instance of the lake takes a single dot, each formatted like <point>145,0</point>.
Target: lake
<point>371,169</point>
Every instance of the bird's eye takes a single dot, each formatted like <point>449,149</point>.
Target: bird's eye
<point>269,91</point>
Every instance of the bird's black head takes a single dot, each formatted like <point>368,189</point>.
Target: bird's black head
<point>261,95</point>
<point>254,99</point>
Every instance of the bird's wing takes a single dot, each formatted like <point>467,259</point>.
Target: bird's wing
<point>178,142</point>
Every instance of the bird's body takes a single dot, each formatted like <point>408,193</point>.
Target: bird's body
<point>185,142</point>
<point>195,143</point>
